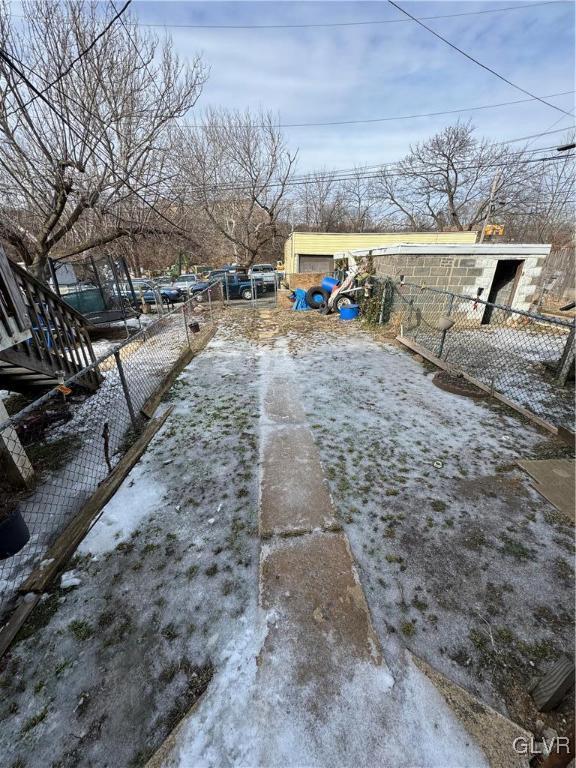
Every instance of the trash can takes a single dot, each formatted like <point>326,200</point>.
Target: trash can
<point>350,313</point>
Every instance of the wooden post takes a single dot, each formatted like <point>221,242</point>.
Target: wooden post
<point>551,688</point>
<point>12,454</point>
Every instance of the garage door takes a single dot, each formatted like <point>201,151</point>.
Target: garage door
<point>316,263</point>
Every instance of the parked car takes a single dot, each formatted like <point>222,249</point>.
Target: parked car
<point>149,291</point>
<point>238,285</point>
<point>185,282</point>
<point>265,271</point>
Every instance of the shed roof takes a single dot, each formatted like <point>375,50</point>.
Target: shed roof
<point>496,250</point>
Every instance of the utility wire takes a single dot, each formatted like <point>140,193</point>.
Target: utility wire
<point>475,61</point>
<point>392,168</point>
<point>74,61</point>
<point>399,117</point>
<point>337,23</point>
<point>537,135</point>
<point>370,175</point>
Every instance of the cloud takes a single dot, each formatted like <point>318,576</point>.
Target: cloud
<point>343,73</point>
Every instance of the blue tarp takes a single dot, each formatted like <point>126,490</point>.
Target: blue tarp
<point>300,302</point>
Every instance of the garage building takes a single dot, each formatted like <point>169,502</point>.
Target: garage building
<point>314,251</point>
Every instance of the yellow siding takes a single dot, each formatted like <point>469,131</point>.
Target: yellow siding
<point>329,243</point>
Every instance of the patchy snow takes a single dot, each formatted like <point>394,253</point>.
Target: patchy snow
<point>516,362</point>
<point>119,659</point>
<point>70,579</point>
<point>453,555</point>
<point>248,717</point>
<point>78,462</point>
<point>172,592</point>
<point>139,496</point>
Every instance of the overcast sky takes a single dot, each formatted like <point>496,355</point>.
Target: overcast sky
<point>378,70</point>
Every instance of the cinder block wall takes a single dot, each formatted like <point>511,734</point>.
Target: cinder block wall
<point>462,275</point>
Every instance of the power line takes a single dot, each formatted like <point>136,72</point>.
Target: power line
<point>351,174</point>
<point>337,23</point>
<point>295,182</point>
<point>399,117</point>
<point>292,182</point>
<point>76,60</point>
<point>479,63</point>
<point>537,135</point>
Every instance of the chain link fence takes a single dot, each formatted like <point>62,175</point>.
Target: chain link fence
<point>526,357</point>
<point>67,442</point>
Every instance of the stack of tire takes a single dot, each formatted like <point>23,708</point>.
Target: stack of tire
<point>317,298</point>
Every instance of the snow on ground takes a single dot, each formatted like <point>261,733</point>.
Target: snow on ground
<point>462,563</point>
<point>517,362</point>
<point>121,516</point>
<point>248,721</point>
<point>105,669</point>
<point>72,455</point>
<point>465,563</point>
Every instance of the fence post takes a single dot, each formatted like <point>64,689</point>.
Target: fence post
<point>381,313</point>
<point>209,292</point>
<point>186,322</point>
<point>566,362</point>
<point>443,337</point>
<point>125,388</point>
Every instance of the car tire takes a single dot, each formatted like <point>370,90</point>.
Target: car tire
<point>313,297</point>
<point>199,297</point>
<point>342,301</point>
<point>246,294</point>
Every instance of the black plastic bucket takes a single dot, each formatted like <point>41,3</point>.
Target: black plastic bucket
<point>14,535</point>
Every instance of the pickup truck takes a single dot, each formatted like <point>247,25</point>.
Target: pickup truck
<point>237,285</point>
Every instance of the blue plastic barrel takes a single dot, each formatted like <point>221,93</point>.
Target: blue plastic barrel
<point>350,313</point>
<point>329,283</point>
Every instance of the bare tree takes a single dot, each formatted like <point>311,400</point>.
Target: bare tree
<point>239,169</point>
<point>445,182</point>
<point>319,202</point>
<point>93,166</point>
<point>544,209</point>
<point>360,201</point>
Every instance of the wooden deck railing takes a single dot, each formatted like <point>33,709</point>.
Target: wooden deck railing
<point>48,336</point>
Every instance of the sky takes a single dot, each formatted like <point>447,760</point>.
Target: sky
<point>322,74</point>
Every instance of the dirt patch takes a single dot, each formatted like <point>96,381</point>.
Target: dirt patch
<point>457,385</point>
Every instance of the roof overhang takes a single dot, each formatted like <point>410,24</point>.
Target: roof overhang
<point>494,250</point>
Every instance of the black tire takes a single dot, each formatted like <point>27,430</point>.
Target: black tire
<point>342,301</point>
<point>313,293</point>
<point>246,294</point>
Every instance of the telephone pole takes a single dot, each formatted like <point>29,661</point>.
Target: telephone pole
<point>493,190</point>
